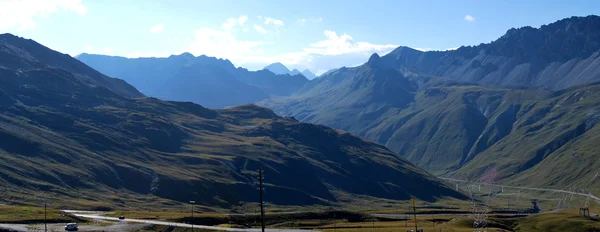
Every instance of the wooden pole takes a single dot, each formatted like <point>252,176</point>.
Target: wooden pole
<point>45,219</point>
<point>415,213</point>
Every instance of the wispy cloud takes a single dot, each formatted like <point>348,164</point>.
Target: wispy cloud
<point>227,25</point>
<point>469,18</point>
<point>23,14</point>
<point>222,44</point>
<point>310,20</point>
<point>333,51</point>
<point>158,28</point>
<point>342,44</point>
<point>233,22</point>
<point>273,21</point>
<point>242,19</point>
<point>435,49</point>
<point>259,29</point>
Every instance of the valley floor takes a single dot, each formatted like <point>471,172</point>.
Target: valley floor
<point>563,220</point>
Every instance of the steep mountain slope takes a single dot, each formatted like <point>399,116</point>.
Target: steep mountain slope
<point>529,136</point>
<point>212,82</point>
<point>81,144</point>
<point>19,53</point>
<point>551,143</point>
<point>431,110</point>
<point>436,124</point>
<point>555,56</point>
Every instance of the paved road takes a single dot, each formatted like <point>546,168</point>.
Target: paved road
<point>154,222</point>
<point>444,214</point>
<point>530,188</point>
<point>117,227</point>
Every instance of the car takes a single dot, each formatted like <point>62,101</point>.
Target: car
<point>121,217</point>
<point>71,227</point>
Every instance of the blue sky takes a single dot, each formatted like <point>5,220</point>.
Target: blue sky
<point>313,34</point>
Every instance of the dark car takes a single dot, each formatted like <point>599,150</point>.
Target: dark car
<point>71,227</point>
<point>121,217</point>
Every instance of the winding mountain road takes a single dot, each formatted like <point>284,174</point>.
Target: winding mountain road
<point>528,188</point>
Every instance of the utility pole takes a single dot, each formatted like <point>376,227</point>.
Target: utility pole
<point>407,217</point>
<point>334,226</point>
<point>262,203</point>
<point>45,219</point>
<point>373,221</point>
<point>192,222</point>
<point>415,213</point>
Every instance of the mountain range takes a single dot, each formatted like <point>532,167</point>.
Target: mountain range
<point>555,56</point>
<point>211,82</point>
<point>279,68</point>
<point>82,139</point>
<point>524,107</point>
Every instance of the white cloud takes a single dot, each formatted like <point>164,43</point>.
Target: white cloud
<point>332,52</point>
<point>469,18</point>
<point>310,20</point>
<point>435,49</point>
<point>23,13</point>
<point>158,28</point>
<point>259,29</point>
<point>222,44</point>
<point>227,25</point>
<point>246,29</point>
<point>344,44</point>
<point>242,19</point>
<point>233,22</point>
<point>273,21</point>
<point>89,48</point>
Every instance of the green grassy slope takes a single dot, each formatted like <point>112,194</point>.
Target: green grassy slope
<point>529,136</point>
<point>83,145</point>
<point>553,144</point>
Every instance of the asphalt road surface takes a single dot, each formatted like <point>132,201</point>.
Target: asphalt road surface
<point>53,227</point>
<point>530,188</point>
<point>154,222</point>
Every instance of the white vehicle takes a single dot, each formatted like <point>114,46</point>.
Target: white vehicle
<point>71,227</point>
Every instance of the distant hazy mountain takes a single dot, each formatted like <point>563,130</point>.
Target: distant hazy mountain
<point>20,53</point>
<point>295,72</point>
<point>308,74</point>
<point>411,102</point>
<point>82,145</point>
<point>554,56</point>
<point>279,68</point>
<point>212,82</point>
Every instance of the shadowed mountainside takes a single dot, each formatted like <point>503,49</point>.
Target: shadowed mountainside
<point>461,129</point>
<point>24,54</point>
<point>84,145</point>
